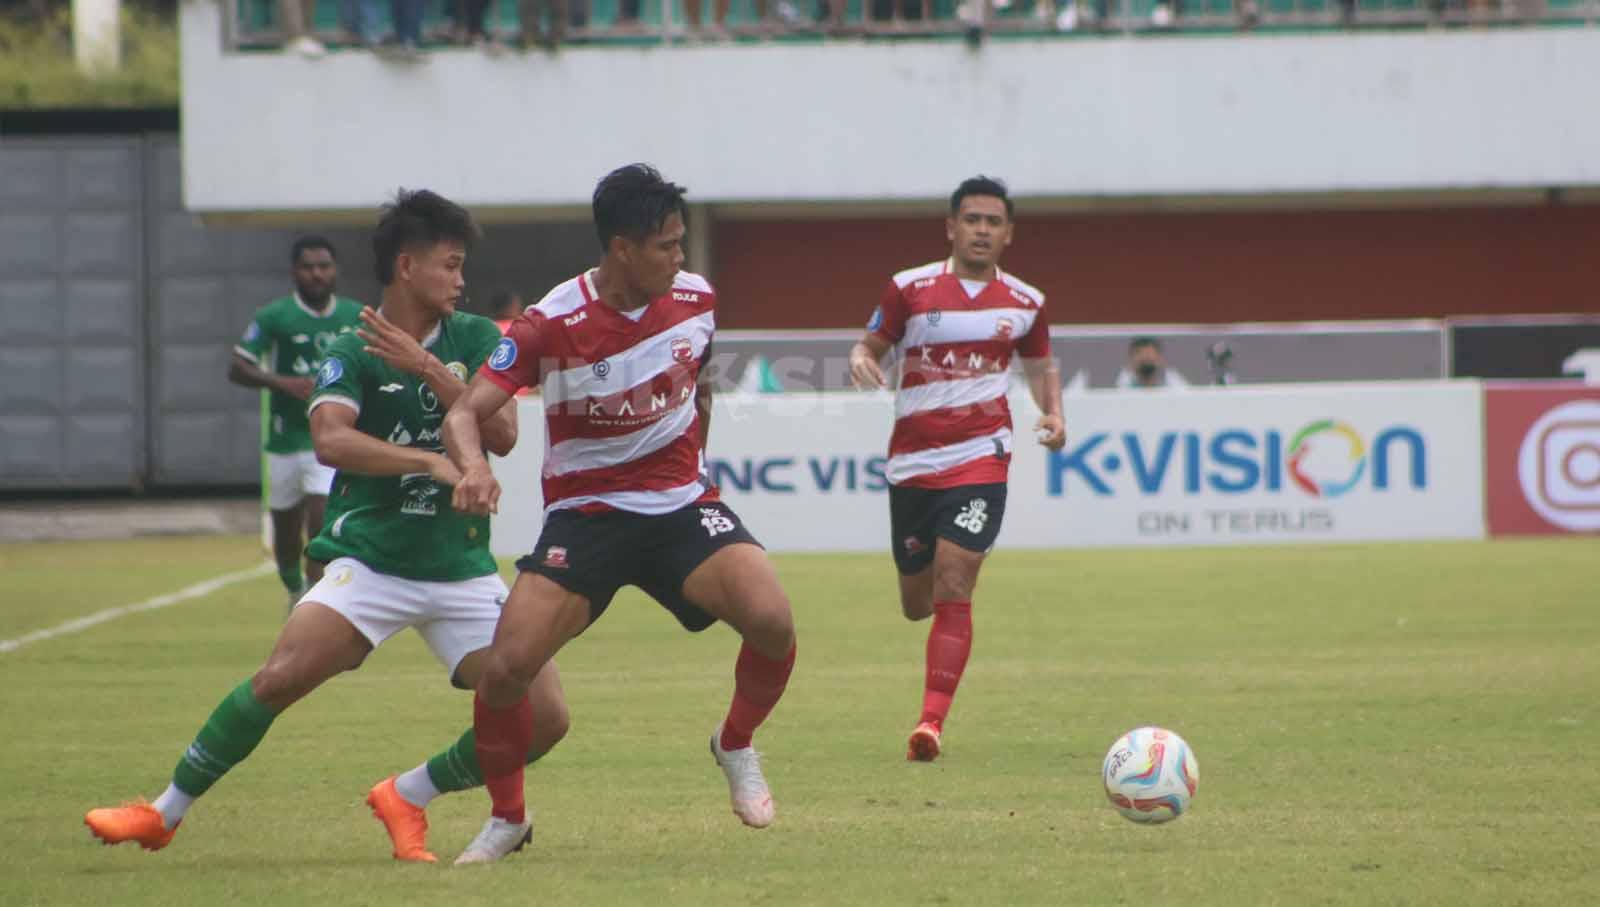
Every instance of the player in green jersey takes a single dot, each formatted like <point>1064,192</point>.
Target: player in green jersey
<point>398,555</point>
<point>281,350</point>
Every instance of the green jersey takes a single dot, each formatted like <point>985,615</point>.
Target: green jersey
<point>402,525</point>
<point>288,337</point>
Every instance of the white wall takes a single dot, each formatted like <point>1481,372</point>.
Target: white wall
<point>880,121</point>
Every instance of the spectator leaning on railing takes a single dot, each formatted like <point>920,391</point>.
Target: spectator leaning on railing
<point>297,17</point>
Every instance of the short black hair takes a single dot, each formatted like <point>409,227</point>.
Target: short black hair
<point>501,298</point>
<point>981,185</point>
<point>633,202</point>
<point>311,241</point>
<point>417,218</point>
<point>1140,342</point>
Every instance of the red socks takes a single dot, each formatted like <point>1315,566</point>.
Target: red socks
<point>758,683</point>
<point>503,738</point>
<point>949,644</point>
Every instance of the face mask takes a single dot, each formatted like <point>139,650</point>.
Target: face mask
<point>1147,370</point>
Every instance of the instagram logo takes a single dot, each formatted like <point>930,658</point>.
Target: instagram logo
<point>1559,465</point>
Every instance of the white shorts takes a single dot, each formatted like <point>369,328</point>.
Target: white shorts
<point>291,477</point>
<point>454,619</point>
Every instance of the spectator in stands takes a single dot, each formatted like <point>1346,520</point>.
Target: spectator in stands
<point>714,29</point>
<point>298,18</point>
<point>1147,367</point>
<point>407,16</point>
<point>504,307</point>
<point>468,16</point>
<point>535,30</point>
<point>359,19</point>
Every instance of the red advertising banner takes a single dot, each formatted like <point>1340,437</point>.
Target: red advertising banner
<point>1542,457</point>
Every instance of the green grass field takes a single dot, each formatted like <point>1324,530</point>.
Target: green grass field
<point>1395,724</point>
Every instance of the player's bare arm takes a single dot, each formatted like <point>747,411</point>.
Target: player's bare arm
<point>344,447</point>
<point>865,372</point>
<point>477,491</point>
<point>702,399</point>
<point>1044,381</point>
<point>245,373</point>
<point>389,342</point>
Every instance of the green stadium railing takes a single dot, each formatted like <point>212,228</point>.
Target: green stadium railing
<point>255,24</point>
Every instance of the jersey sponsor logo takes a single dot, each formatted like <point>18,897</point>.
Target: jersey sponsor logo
<point>602,369</point>
<point>459,369</point>
<point>429,399</point>
<point>934,316</point>
<point>332,370</point>
<point>555,556</point>
<point>252,332</point>
<point>682,349</point>
<point>301,338</point>
<point>504,355</point>
<point>301,366</point>
<point>391,387</point>
<point>324,340</point>
<point>685,296</point>
<point>571,320</point>
<point>400,436</point>
<point>1004,328</point>
<point>344,576</point>
<point>1022,297</point>
<point>913,545</point>
<point>976,362</point>
<point>876,321</point>
<point>973,517</point>
<point>924,283</point>
<point>417,492</point>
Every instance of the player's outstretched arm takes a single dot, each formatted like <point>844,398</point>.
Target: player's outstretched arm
<point>340,444</point>
<point>865,372</point>
<point>245,373</point>
<point>1044,381</point>
<point>477,492</point>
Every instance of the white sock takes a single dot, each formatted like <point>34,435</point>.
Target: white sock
<point>416,788</point>
<point>172,804</point>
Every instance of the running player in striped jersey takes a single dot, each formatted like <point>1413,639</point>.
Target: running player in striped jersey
<point>954,326</point>
<point>618,352</point>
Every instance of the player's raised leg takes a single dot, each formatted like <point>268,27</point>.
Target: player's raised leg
<point>539,617</point>
<point>738,586</point>
<point>315,644</point>
<point>954,575</point>
<point>400,801</point>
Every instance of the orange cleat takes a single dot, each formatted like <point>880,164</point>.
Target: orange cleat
<point>924,743</point>
<point>407,825</point>
<point>137,821</point>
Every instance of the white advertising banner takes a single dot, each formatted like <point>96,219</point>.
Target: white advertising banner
<point>1237,465</point>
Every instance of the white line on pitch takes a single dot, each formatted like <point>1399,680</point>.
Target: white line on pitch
<point>203,588</point>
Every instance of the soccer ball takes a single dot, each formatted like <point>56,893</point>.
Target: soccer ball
<point>1150,775</point>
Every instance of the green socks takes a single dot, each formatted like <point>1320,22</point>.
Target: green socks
<point>235,727</point>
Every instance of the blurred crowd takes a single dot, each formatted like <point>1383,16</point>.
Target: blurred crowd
<point>399,29</point>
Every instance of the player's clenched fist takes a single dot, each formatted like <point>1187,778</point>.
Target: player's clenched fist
<point>477,492</point>
<point>864,370</point>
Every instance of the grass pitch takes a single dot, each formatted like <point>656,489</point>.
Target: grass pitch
<point>1396,724</point>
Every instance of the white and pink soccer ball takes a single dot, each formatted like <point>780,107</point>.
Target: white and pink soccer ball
<point>1150,775</point>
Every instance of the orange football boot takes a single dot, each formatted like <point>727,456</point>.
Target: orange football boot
<point>407,825</point>
<point>137,821</point>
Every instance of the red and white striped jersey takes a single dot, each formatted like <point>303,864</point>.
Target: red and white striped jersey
<point>952,424</point>
<point>621,428</point>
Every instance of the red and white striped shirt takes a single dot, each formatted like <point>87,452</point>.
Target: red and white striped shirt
<point>622,430</point>
<point>952,424</point>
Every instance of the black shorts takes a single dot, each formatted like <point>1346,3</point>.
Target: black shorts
<point>967,515</point>
<point>595,554</point>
